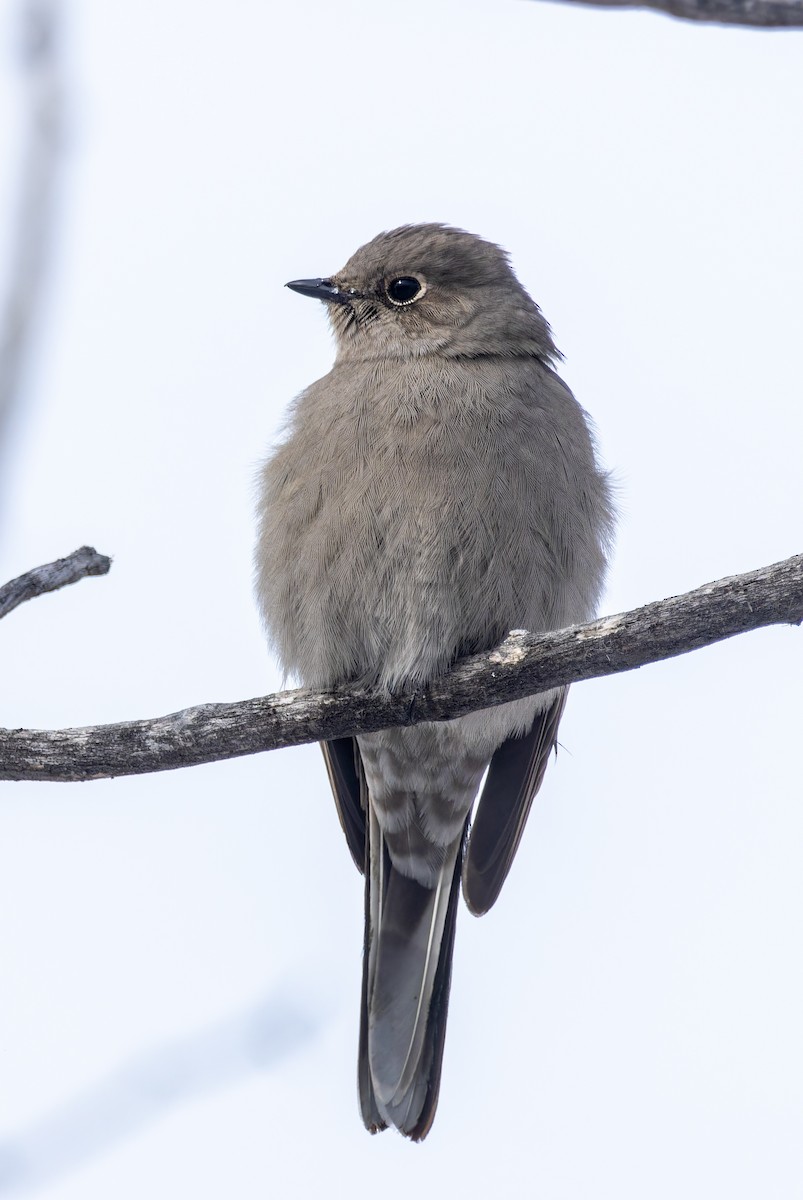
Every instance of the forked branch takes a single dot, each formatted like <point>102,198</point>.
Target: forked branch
<point>522,665</point>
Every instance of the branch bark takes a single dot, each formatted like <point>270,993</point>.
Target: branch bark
<point>52,576</point>
<point>522,665</point>
<point>758,14</point>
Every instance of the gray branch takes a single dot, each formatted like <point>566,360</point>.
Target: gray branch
<point>524,664</point>
<point>52,576</point>
<point>760,14</point>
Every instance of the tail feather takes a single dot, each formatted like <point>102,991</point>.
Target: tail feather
<point>372,1118</point>
<point>406,975</point>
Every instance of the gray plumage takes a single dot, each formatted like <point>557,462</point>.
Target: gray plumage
<point>435,490</point>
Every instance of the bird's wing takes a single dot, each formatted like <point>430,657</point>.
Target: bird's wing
<point>514,777</point>
<point>347,777</point>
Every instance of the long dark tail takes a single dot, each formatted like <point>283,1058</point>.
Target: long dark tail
<point>407,969</point>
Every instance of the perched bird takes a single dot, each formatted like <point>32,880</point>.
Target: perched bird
<point>435,490</point>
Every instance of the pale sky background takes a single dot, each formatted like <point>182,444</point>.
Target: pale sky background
<point>180,953</point>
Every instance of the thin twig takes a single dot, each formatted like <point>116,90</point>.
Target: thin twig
<point>52,576</point>
<point>757,14</point>
<point>524,664</point>
<point>36,205</point>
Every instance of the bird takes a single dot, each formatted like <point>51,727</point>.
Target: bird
<point>439,487</point>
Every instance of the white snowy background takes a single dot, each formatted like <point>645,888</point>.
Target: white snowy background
<point>180,953</point>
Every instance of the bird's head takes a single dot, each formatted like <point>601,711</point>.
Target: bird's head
<point>430,289</point>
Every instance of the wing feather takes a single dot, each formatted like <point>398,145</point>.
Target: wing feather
<point>514,776</point>
<point>347,777</point>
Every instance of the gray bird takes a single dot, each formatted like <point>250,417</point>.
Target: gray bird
<point>435,490</point>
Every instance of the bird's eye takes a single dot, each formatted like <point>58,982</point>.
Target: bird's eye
<point>404,290</point>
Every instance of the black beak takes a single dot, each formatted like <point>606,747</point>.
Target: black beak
<point>320,289</point>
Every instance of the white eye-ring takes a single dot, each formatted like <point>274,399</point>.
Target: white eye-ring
<point>404,290</point>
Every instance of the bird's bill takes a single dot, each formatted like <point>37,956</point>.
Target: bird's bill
<point>320,289</point>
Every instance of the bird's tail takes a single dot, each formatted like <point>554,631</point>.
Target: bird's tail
<point>407,969</point>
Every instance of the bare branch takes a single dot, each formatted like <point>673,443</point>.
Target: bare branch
<point>31,240</point>
<point>52,576</point>
<point>759,14</point>
<point>522,665</point>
